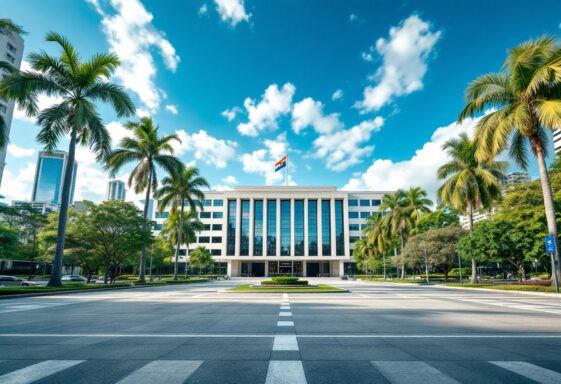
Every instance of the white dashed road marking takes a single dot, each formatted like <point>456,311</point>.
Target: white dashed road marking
<point>285,372</point>
<point>285,323</point>
<point>406,372</point>
<point>285,314</point>
<point>531,371</point>
<point>37,371</point>
<point>163,371</point>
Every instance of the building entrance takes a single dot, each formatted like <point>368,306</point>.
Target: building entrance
<point>285,268</point>
<point>317,269</point>
<point>251,269</point>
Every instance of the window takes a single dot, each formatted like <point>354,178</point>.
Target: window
<point>218,203</point>
<point>231,229</point>
<point>339,229</point>
<point>353,227</point>
<point>10,58</point>
<point>271,227</point>
<point>298,227</point>
<point>376,203</point>
<point>364,215</point>
<point>216,252</point>
<point>258,227</point>
<point>365,203</point>
<point>206,227</point>
<point>244,229</point>
<point>207,203</point>
<point>285,228</point>
<point>353,203</point>
<point>353,215</point>
<point>217,215</point>
<point>353,239</point>
<point>163,215</point>
<point>312,227</point>
<point>326,227</point>
<point>158,227</point>
<point>11,48</point>
<point>216,239</point>
<point>204,215</point>
<point>204,239</point>
<point>183,252</point>
<point>216,227</point>
<point>3,108</point>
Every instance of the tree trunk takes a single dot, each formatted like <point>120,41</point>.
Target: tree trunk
<point>549,210</point>
<point>178,246</point>
<point>55,281</point>
<point>470,226</point>
<point>384,261</point>
<point>186,258</point>
<point>402,262</point>
<point>142,266</point>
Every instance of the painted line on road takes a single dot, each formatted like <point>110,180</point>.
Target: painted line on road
<point>285,343</point>
<point>285,372</point>
<point>11,307</point>
<point>163,371</point>
<point>405,372</point>
<point>285,307</point>
<point>530,371</point>
<point>285,323</point>
<point>37,371</point>
<point>508,305</point>
<point>285,314</point>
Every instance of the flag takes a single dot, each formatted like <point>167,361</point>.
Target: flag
<point>280,164</point>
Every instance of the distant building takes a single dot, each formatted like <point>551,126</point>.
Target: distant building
<point>514,178</point>
<point>150,207</point>
<point>116,190</point>
<point>11,51</point>
<point>557,140</point>
<point>41,206</point>
<point>79,206</point>
<point>49,178</point>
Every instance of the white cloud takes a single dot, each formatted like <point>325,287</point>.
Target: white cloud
<point>353,17</point>
<point>405,54</point>
<point>230,180</point>
<point>206,148</point>
<point>131,36</point>
<point>232,11</point>
<point>274,103</point>
<point>337,95</point>
<point>419,170</point>
<point>18,186</point>
<point>17,151</point>
<point>367,56</point>
<point>342,149</point>
<point>230,114</point>
<point>117,132</point>
<point>262,161</point>
<point>172,109</point>
<point>309,112</point>
<point>203,10</point>
<point>221,187</point>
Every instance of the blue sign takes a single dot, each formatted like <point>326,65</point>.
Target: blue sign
<point>549,244</point>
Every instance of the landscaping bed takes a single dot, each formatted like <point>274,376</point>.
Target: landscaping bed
<point>293,288</point>
<point>507,287</point>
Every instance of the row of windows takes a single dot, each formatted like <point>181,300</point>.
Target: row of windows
<point>11,48</point>
<point>209,239</point>
<point>356,227</point>
<point>364,203</point>
<point>362,215</point>
<point>215,252</point>
<point>208,215</point>
<point>10,58</point>
<point>213,227</point>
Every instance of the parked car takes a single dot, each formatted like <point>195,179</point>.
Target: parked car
<point>12,281</point>
<point>74,278</point>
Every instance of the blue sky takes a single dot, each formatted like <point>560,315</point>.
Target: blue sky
<point>360,94</point>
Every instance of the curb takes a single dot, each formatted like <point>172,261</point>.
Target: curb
<point>529,293</point>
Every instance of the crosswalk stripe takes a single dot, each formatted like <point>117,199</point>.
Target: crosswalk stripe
<point>285,372</point>
<point>37,371</point>
<point>285,343</point>
<point>163,371</point>
<point>530,371</point>
<point>405,372</point>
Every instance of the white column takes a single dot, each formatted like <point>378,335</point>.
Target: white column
<point>238,224</point>
<point>341,268</point>
<point>251,225</point>
<point>320,229</point>
<point>333,240</point>
<point>304,268</point>
<point>265,230</point>
<point>278,227</point>
<point>346,227</point>
<point>291,227</point>
<point>306,253</point>
<point>266,268</point>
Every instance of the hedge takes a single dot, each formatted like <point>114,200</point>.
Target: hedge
<point>284,280</point>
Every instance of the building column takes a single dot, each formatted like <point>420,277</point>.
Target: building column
<point>320,228</point>
<point>265,231</point>
<point>266,268</point>
<point>346,227</point>
<point>304,268</point>
<point>306,246</point>
<point>341,268</point>
<point>333,232</point>
<point>278,227</point>
<point>238,225</point>
<point>251,225</point>
<point>292,227</point>
<point>229,268</point>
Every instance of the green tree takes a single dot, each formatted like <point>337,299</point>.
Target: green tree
<point>526,97</point>
<point>161,254</point>
<point>148,150</point>
<point>9,243</point>
<point>470,184</point>
<point>442,217</point>
<point>201,258</point>
<point>398,220</point>
<point>79,85</point>
<point>177,189</point>
<point>416,203</point>
<point>377,237</point>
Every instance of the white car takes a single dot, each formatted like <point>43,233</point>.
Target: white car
<point>74,278</point>
<point>12,281</point>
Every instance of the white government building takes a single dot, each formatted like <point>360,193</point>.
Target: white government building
<point>267,231</point>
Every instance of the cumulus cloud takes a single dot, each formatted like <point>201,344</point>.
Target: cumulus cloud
<point>206,148</point>
<point>337,95</point>
<point>18,185</point>
<point>230,114</point>
<point>230,180</point>
<point>221,187</point>
<point>17,151</point>
<point>342,149</point>
<point>262,161</point>
<point>404,54</point>
<point>171,109</point>
<point>203,10</point>
<point>353,17</point>
<point>420,169</point>
<point>263,115</point>
<point>132,37</point>
<point>232,11</point>
<point>309,112</point>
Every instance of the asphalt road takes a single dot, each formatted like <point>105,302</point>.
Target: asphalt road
<point>378,333</point>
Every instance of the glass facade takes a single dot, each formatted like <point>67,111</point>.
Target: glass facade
<point>285,228</point>
<point>258,228</point>
<point>231,230</point>
<point>312,227</point>
<point>298,227</point>
<point>326,227</point>
<point>244,229</point>
<point>271,227</point>
<point>339,229</point>
<point>49,178</point>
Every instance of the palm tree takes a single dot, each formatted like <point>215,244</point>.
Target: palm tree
<point>398,221</point>
<point>7,27</point>
<point>526,97</point>
<point>416,203</point>
<point>175,190</point>
<point>79,84</point>
<point>470,184</point>
<point>376,233</point>
<point>148,150</point>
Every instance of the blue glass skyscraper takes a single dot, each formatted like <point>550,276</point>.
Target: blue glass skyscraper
<point>49,178</point>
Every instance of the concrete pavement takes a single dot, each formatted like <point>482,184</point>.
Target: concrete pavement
<point>377,333</point>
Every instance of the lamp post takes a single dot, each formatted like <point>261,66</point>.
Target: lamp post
<point>460,266</point>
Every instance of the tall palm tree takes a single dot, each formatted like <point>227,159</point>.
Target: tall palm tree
<point>417,203</point>
<point>148,150</point>
<point>527,97</point>
<point>377,236</point>
<point>80,84</point>
<point>470,184</point>
<point>398,221</point>
<point>7,27</point>
<point>177,189</point>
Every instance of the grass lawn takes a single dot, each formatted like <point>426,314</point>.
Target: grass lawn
<point>398,281</point>
<point>320,288</point>
<point>506,287</point>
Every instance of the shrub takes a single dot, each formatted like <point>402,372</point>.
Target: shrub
<point>284,280</point>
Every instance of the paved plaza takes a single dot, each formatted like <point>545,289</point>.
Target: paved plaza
<point>376,333</point>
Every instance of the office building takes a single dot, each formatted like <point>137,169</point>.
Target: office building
<point>140,205</point>
<point>514,178</point>
<point>41,206</point>
<point>49,178</point>
<point>267,231</point>
<point>116,190</point>
<point>11,51</point>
